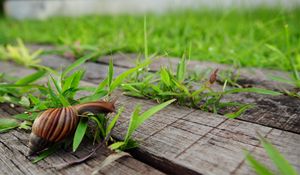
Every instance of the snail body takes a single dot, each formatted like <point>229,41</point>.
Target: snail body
<point>56,124</point>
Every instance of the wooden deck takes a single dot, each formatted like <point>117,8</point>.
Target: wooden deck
<point>177,140</point>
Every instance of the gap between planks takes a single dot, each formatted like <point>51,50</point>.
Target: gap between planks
<point>210,139</point>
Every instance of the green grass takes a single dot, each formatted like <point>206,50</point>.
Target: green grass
<point>226,36</point>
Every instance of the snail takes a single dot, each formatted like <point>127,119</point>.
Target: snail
<point>56,124</point>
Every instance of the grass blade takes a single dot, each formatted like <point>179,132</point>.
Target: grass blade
<point>110,72</point>
<point>56,84</point>
<point>7,123</point>
<point>114,121</point>
<point>31,78</point>
<point>77,63</point>
<point>259,168</point>
<point>239,112</point>
<point>123,75</point>
<point>145,38</point>
<point>181,69</point>
<point>255,90</point>
<point>80,132</point>
<point>137,119</point>
<point>284,167</point>
<point>165,77</point>
<point>45,154</point>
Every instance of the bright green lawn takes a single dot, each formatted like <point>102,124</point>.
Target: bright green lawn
<point>217,36</point>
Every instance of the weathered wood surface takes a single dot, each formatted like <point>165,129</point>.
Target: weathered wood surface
<point>179,139</point>
<point>14,159</point>
<point>280,112</point>
<point>248,76</point>
<point>203,142</point>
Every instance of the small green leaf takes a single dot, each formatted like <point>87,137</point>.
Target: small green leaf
<point>25,125</point>
<point>110,72</point>
<point>116,145</point>
<point>165,77</point>
<point>80,132</point>
<point>22,116</point>
<point>284,167</point>
<point>45,154</point>
<point>101,86</point>
<point>24,101</point>
<point>93,97</point>
<point>7,124</point>
<point>181,69</point>
<point>239,112</point>
<point>259,168</point>
<point>57,85</point>
<point>31,78</point>
<point>114,121</point>
<point>77,63</point>
<point>119,79</point>
<point>255,90</point>
<point>137,119</point>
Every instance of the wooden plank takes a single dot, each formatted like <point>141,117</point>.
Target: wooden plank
<point>183,143</point>
<point>280,112</point>
<point>248,76</point>
<point>94,71</point>
<point>13,151</point>
<point>202,142</point>
<point>279,139</point>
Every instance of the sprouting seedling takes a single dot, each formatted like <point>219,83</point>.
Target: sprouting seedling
<point>20,54</point>
<point>60,93</point>
<point>165,85</point>
<point>136,120</point>
<point>15,92</point>
<point>282,165</point>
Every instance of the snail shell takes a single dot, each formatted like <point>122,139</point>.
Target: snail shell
<point>55,124</point>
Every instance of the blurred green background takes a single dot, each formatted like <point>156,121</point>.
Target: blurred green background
<point>260,37</point>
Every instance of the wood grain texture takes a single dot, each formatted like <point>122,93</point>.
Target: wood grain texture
<point>248,76</point>
<point>202,142</point>
<point>93,71</point>
<point>280,112</point>
<point>14,159</point>
<point>181,140</point>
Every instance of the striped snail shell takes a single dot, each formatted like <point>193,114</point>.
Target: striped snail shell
<point>55,124</point>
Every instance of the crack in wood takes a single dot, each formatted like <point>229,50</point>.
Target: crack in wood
<point>213,128</point>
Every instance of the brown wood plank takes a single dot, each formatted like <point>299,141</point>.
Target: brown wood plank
<point>14,158</point>
<point>202,142</point>
<point>280,112</point>
<point>191,137</point>
<point>94,71</point>
<point>248,76</point>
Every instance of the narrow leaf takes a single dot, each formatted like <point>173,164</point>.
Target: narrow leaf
<point>255,90</point>
<point>110,72</point>
<point>114,121</point>
<point>258,167</point>
<point>31,78</point>
<point>284,167</point>
<point>239,112</point>
<point>119,79</point>
<point>45,154</point>
<point>77,63</point>
<point>7,124</point>
<point>80,132</point>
